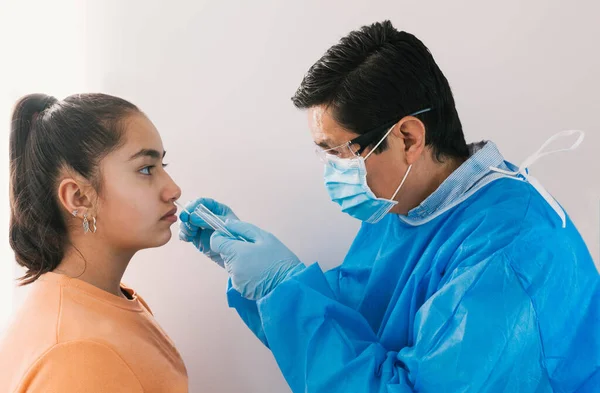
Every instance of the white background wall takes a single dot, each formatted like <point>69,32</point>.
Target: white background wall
<point>216,78</point>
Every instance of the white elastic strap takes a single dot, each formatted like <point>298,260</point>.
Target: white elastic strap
<point>540,152</point>
<point>402,183</point>
<point>380,141</point>
<point>536,156</point>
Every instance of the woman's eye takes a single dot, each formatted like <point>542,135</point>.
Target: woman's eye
<point>146,170</point>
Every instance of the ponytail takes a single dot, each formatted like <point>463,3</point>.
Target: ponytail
<point>36,245</point>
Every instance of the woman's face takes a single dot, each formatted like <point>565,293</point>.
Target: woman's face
<point>135,207</point>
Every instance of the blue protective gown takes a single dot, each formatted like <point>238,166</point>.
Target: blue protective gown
<point>479,289</point>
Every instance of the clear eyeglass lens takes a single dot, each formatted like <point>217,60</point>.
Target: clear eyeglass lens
<point>344,151</point>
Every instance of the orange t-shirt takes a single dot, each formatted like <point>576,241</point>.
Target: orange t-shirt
<point>70,336</point>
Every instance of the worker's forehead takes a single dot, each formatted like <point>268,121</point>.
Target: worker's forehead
<point>324,128</point>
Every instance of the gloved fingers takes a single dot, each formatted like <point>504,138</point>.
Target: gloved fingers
<point>202,243</point>
<point>223,244</point>
<point>198,243</point>
<point>186,233</point>
<point>187,229</point>
<point>204,239</point>
<point>185,238</point>
<point>248,231</point>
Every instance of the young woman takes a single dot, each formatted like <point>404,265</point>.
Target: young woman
<point>88,190</point>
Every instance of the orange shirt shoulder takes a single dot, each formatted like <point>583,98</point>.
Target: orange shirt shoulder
<point>70,336</point>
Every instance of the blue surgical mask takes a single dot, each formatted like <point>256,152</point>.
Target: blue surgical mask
<point>346,183</point>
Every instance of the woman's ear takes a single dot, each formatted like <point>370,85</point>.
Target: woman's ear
<point>75,195</point>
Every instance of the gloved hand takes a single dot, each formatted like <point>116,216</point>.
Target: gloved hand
<point>258,266</point>
<point>195,230</point>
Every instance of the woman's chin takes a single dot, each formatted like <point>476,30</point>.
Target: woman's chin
<point>159,240</point>
<point>165,238</point>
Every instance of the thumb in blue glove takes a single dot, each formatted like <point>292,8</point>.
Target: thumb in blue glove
<point>258,266</point>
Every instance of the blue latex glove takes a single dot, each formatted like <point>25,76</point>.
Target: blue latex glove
<point>258,266</point>
<point>195,230</point>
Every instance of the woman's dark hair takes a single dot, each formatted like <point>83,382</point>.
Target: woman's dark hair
<point>377,75</point>
<point>48,136</point>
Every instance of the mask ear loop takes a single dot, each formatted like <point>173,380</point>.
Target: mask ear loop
<point>402,183</point>
<point>380,142</point>
<point>407,171</point>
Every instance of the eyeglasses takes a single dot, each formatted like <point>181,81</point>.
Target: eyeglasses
<point>355,147</point>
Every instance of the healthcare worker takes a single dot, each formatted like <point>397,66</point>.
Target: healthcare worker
<point>466,275</point>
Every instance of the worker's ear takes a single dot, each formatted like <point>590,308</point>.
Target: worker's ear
<point>411,132</point>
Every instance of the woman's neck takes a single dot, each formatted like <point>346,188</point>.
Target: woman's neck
<point>96,265</point>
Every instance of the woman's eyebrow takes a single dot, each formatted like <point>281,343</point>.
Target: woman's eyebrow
<point>148,153</point>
